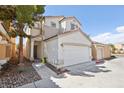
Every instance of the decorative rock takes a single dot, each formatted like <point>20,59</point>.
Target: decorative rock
<point>2,62</point>
<point>12,78</point>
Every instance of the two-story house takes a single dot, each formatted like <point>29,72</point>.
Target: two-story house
<point>64,43</point>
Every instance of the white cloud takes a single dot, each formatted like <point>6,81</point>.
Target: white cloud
<point>120,29</point>
<point>109,38</point>
<point>101,37</point>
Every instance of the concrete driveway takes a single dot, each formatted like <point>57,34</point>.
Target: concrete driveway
<point>109,74</point>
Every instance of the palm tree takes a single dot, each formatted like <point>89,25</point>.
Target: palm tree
<point>20,15</point>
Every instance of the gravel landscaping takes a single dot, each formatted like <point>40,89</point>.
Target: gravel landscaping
<point>16,75</point>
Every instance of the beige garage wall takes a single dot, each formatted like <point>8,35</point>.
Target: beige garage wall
<point>94,54</point>
<point>7,51</point>
<point>2,51</point>
<point>107,51</point>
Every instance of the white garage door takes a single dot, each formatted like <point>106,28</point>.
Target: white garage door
<point>100,53</point>
<point>76,54</point>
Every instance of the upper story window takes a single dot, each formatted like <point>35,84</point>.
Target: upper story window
<point>73,26</point>
<point>53,24</point>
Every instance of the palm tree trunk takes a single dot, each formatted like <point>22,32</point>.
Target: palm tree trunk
<point>21,44</point>
<point>20,49</point>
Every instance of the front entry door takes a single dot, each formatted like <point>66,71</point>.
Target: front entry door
<point>35,51</point>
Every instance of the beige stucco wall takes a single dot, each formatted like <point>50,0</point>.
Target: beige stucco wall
<point>7,44</point>
<point>56,20</point>
<point>49,31</point>
<point>13,49</point>
<point>106,52</point>
<point>35,31</point>
<point>75,37</point>
<point>94,54</point>
<point>27,49</point>
<point>6,51</point>
<point>51,50</point>
<point>2,51</point>
<point>63,26</point>
<point>24,51</point>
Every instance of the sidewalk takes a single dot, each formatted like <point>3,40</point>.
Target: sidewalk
<point>46,74</point>
<point>45,83</point>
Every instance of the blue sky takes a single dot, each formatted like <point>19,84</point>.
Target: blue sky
<point>95,20</point>
<point>104,24</point>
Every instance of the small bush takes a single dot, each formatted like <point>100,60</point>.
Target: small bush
<point>43,60</point>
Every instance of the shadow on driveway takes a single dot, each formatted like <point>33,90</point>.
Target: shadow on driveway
<point>97,69</point>
<point>79,71</point>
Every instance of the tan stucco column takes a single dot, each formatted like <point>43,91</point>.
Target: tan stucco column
<point>32,50</point>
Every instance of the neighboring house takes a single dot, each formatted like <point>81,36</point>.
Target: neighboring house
<point>100,51</point>
<point>7,47</point>
<point>64,43</point>
<point>119,48</point>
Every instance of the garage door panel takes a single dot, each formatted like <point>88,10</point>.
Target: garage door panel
<point>76,54</point>
<point>100,53</point>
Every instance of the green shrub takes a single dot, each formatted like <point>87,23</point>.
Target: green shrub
<point>43,60</point>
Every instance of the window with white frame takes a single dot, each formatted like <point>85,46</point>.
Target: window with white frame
<point>73,26</point>
<point>53,24</point>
